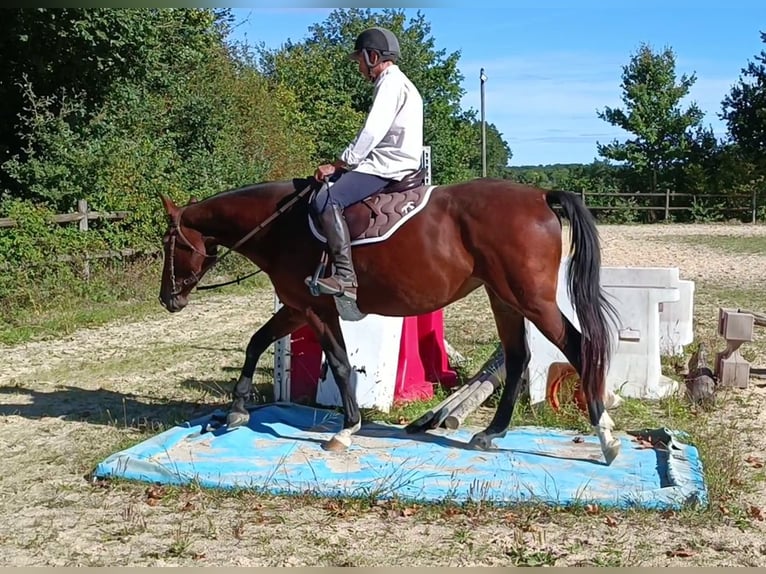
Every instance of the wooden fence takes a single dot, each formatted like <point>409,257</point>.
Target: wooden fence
<point>747,204</point>
<point>82,216</point>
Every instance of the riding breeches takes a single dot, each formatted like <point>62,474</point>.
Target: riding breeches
<point>350,188</point>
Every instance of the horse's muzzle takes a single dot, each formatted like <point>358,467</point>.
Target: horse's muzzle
<point>174,304</point>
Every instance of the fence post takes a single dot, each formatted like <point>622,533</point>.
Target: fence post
<point>82,209</point>
<point>667,204</point>
<point>755,204</point>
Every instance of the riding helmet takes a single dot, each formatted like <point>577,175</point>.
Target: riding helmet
<point>378,39</point>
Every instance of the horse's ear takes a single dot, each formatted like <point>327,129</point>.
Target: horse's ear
<point>193,200</point>
<point>170,207</point>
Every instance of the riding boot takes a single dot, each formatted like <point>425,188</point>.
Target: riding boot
<point>343,282</point>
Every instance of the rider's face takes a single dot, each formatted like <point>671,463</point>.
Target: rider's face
<point>364,69</point>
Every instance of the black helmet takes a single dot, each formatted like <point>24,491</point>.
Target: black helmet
<point>379,39</point>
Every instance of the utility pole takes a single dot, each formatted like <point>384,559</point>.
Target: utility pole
<point>483,78</point>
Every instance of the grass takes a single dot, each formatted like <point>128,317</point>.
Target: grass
<point>717,438</point>
<point>54,308</point>
<point>733,244</point>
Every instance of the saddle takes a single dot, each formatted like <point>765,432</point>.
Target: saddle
<point>377,217</point>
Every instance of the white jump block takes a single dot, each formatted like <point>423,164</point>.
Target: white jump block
<point>654,308</point>
<point>373,351</point>
<point>677,321</point>
<point>637,293</point>
<point>373,363</point>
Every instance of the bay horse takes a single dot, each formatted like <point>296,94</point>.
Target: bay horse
<point>450,240</point>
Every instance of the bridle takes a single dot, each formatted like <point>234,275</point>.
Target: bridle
<point>194,278</point>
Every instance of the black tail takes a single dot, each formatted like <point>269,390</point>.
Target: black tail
<point>589,299</point>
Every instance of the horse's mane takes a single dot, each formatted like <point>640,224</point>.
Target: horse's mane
<point>286,188</point>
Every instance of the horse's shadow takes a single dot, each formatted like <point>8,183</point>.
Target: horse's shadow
<point>264,422</point>
<point>102,407</point>
<point>106,407</point>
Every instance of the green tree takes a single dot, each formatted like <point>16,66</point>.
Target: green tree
<point>744,109</point>
<point>498,152</point>
<point>66,62</point>
<point>335,98</point>
<point>652,95</point>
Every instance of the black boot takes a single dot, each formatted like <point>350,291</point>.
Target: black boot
<point>339,243</point>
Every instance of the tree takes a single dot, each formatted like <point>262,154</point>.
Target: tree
<point>335,98</point>
<point>652,96</point>
<point>172,111</point>
<point>744,109</point>
<point>60,59</point>
<point>498,152</point>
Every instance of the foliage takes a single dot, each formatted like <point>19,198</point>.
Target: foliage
<point>189,125</point>
<point>498,151</point>
<point>334,97</point>
<point>744,108</point>
<point>116,106</point>
<point>80,54</point>
<point>652,96</point>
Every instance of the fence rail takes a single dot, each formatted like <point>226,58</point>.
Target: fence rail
<point>748,204</point>
<point>82,215</point>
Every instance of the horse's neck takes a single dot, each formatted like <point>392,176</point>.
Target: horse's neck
<point>228,218</point>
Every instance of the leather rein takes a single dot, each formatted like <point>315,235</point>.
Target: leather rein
<point>193,279</point>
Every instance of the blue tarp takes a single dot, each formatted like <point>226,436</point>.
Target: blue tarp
<point>280,452</point>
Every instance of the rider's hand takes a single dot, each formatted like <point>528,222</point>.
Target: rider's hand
<point>324,171</point>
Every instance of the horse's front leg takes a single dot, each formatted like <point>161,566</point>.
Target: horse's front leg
<point>330,337</point>
<point>282,323</point>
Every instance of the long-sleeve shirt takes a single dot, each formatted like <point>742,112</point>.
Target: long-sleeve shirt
<point>390,144</point>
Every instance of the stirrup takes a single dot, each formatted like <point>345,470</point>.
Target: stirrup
<point>311,282</point>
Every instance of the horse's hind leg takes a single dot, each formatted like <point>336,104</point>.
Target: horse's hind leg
<point>282,323</point>
<point>330,337</point>
<point>511,330</point>
<point>560,331</point>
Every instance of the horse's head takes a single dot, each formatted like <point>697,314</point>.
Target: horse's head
<point>188,256</point>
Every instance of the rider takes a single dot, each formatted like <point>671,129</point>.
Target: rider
<point>388,147</point>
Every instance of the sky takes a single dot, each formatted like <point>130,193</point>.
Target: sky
<point>551,65</point>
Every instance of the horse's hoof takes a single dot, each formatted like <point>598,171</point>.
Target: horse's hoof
<point>335,445</point>
<point>211,427</point>
<point>483,441</point>
<point>611,451</point>
<point>236,419</point>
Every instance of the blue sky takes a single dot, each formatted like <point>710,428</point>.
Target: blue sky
<point>551,65</point>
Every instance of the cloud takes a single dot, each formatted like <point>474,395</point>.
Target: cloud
<point>552,98</point>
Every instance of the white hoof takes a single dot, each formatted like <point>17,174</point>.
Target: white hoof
<point>342,440</point>
<point>611,400</point>
<point>237,419</point>
<point>610,445</point>
<point>611,450</point>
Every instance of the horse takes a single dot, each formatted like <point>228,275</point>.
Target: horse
<point>416,248</point>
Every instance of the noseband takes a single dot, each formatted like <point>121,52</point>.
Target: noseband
<point>175,231</point>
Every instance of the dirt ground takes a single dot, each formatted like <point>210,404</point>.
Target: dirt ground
<point>68,403</point>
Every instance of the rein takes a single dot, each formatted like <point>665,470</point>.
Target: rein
<point>194,278</point>
<point>237,281</point>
